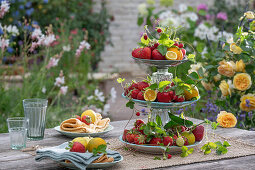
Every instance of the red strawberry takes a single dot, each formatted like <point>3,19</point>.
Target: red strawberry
<point>175,98</point>
<point>86,119</point>
<point>78,117</point>
<point>134,93</point>
<point>136,52</point>
<point>199,132</point>
<point>183,128</point>
<point>167,140</point>
<point>174,139</point>
<point>180,99</point>
<point>156,55</point>
<point>164,97</point>
<point>138,123</point>
<point>152,48</point>
<point>145,53</point>
<point>77,147</point>
<point>180,45</point>
<point>156,45</point>
<point>145,36</point>
<point>142,85</point>
<point>124,136</point>
<point>176,44</point>
<point>186,142</point>
<point>169,156</point>
<point>172,94</point>
<point>172,84</point>
<point>183,51</point>
<point>130,137</point>
<point>140,139</point>
<point>137,114</point>
<point>155,141</point>
<point>140,130</point>
<point>140,96</point>
<point>134,86</point>
<point>159,30</point>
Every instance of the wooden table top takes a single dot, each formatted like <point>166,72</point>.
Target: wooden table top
<point>14,159</point>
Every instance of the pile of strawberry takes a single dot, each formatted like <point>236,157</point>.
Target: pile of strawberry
<point>136,91</point>
<point>151,52</point>
<point>172,137</point>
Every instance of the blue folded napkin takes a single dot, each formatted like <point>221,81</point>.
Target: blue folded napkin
<point>80,160</point>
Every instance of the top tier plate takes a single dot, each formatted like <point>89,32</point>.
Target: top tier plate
<point>161,63</point>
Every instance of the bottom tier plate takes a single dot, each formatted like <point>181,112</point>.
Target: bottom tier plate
<point>155,149</point>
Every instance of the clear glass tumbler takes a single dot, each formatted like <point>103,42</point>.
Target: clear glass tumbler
<point>17,128</point>
<point>35,112</point>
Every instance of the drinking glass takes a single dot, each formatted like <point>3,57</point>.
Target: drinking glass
<point>17,128</point>
<point>35,112</point>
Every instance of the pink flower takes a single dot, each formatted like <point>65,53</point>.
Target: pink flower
<point>63,90</point>
<point>5,6</point>
<point>59,81</point>
<point>74,32</point>
<point>222,15</point>
<point>83,45</point>
<point>36,34</point>
<point>202,6</point>
<point>53,62</point>
<point>49,39</point>
<point>4,43</point>
<point>209,17</point>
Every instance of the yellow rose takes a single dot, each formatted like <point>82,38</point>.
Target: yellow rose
<point>226,120</point>
<point>207,86</point>
<point>240,66</point>
<point>235,48</point>
<point>227,68</point>
<point>247,102</point>
<point>217,78</point>
<point>242,81</point>
<point>249,14</point>
<point>224,88</point>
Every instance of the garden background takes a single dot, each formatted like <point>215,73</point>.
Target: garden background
<point>88,38</point>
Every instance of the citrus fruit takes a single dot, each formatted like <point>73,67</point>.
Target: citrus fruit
<point>81,140</point>
<point>170,55</point>
<point>87,139</point>
<point>189,95</point>
<point>177,51</point>
<point>90,113</point>
<point>190,136</point>
<point>94,143</point>
<point>150,95</point>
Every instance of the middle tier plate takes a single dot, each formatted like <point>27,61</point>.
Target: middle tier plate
<point>160,105</point>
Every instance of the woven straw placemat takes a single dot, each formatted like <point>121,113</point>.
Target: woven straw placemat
<point>138,160</point>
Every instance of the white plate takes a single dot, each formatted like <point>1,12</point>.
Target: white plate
<point>155,149</point>
<point>93,165</point>
<point>74,135</point>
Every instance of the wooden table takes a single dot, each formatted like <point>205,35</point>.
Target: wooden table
<point>13,159</point>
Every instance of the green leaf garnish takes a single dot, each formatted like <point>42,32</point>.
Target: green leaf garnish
<point>162,49</point>
<point>130,104</point>
<point>120,80</point>
<point>175,120</point>
<point>99,149</point>
<point>186,151</point>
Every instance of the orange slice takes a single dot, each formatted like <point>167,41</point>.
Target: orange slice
<point>170,55</point>
<point>177,51</point>
<point>150,95</point>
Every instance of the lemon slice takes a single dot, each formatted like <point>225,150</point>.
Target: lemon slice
<point>90,113</point>
<point>150,95</point>
<point>170,55</point>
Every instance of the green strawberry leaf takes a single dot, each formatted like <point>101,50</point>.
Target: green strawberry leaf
<point>190,82</point>
<point>146,42</point>
<point>218,143</point>
<point>158,120</point>
<point>200,72</point>
<point>204,146</point>
<point>194,76</point>
<point>163,84</point>
<point>153,86</point>
<point>190,151</point>
<point>156,158</point>
<point>140,21</point>
<point>130,104</point>
<point>162,49</point>
<point>226,144</point>
<point>184,154</point>
<point>177,120</point>
<point>191,57</point>
<point>214,125</point>
<point>184,148</point>
<point>207,151</point>
<point>212,145</point>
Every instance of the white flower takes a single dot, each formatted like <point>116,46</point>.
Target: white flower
<point>231,85</point>
<point>59,81</point>
<point>90,97</point>
<point>37,33</point>
<point>142,10</point>
<point>82,45</point>
<point>67,48</point>
<point>106,109</point>
<point>4,43</point>
<point>230,40</point>
<point>49,39</point>
<point>183,8</point>
<point>113,94</point>
<point>63,90</point>
<point>5,6</point>
<point>196,67</point>
<point>12,29</point>
<point>99,95</point>
<point>44,90</point>
<point>53,62</point>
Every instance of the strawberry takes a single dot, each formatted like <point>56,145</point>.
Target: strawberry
<point>136,52</point>
<point>155,141</point>
<point>169,156</point>
<point>183,51</point>
<point>172,94</point>
<point>134,93</point>
<point>172,84</point>
<point>175,98</point>
<point>142,85</point>
<point>156,45</point>
<point>145,53</point>
<point>138,123</point>
<point>180,99</point>
<point>77,147</point>
<point>134,86</point>
<point>124,136</point>
<point>137,114</point>
<point>140,139</point>
<point>145,36</point>
<point>176,44</point>
<point>156,55</point>
<point>140,96</point>
<point>186,142</point>
<point>130,137</point>
<point>86,119</point>
<point>180,45</point>
<point>174,140</point>
<point>78,117</point>
<point>159,30</point>
<point>199,132</point>
<point>164,97</point>
<point>152,48</point>
<point>140,130</point>
<point>167,140</point>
